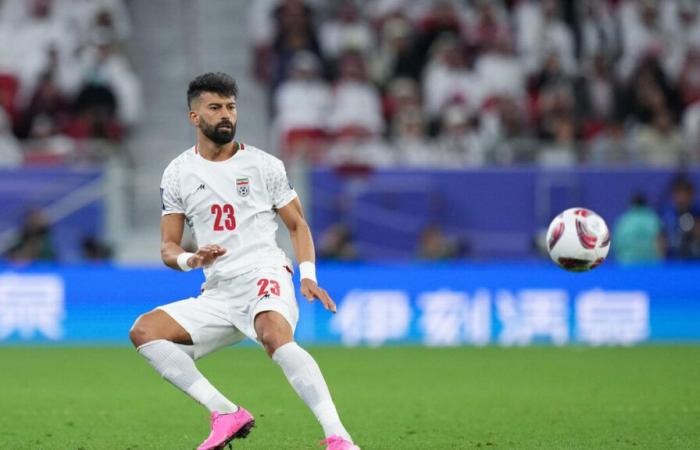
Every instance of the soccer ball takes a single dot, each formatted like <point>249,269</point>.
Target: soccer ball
<point>578,240</point>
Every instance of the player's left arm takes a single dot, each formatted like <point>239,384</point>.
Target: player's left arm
<point>293,217</point>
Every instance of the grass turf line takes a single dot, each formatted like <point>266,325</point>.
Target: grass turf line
<point>389,398</point>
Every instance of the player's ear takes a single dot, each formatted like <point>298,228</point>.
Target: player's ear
<point>194,118</point>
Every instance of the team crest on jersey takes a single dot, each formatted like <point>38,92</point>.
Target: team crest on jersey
<point>243,186</point>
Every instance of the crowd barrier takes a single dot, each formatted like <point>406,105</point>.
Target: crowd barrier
<point>71,198</point>
<point>432,305</point>
<point>496,211</point>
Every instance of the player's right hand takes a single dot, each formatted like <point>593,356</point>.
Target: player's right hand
<point>205,256</point>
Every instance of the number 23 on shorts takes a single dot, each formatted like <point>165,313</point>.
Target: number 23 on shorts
<point>264,283</point>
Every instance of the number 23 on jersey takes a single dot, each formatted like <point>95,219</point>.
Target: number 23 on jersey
<point>268,287</point>
<point>224,217</point>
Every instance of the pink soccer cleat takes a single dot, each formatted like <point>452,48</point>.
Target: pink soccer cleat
<point>336,442</point>
<point>227,427</point>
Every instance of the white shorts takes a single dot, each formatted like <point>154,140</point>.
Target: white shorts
<point>224,315</point>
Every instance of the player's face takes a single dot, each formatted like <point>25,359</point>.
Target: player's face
<point>215,116</point>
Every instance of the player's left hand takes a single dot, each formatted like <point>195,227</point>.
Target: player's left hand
<point>311,290</point>
<point>205,256</point>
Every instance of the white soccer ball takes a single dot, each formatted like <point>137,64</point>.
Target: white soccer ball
<point>578,240</point>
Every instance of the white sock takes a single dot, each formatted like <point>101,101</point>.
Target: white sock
<point>305,377</point>
<point>176,366</point>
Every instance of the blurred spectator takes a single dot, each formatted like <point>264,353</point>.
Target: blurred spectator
<point>395,55</point>
<point>410,141</point>
<point>637,234</point>
<point>10,153</point>
<point>691,130</point>
<point>508,138</point>
<point>541,31</point>
<point>44,119</point>
<point>612,146</point>
<point>95,250</point>
<point>681,220</point>
<point>599,35</point>
<point>34,243</point>
<point>599,95</point>
<point>562,150</point>
<point>94,18</point>
<point>9,90</point>
<point>48,111</point>
<point>682,26</point>
<point>491,21</point>
<point>95,115</point>
<point>459,143</point>
<point>295,31</point>
<point>642,34</point>
<point>555,97</point>
<point>380,11</point>
<point>449,79</point>
<point>660,143</point>
<point>345,30</point>
<point>356,103</point>
<point>302,104</point>
<point>434,245</point>
<point>103,66</point>
<point>402,94</point>
<point>500,70</point>
<point>441,19</point>
<point>689,77</point>
<point>649,90</point>
<point>336,244</point>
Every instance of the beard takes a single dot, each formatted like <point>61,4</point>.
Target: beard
<point>218,134</point>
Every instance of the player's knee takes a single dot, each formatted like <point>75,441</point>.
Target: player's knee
<point>140,333</point>
<point>271,341</point>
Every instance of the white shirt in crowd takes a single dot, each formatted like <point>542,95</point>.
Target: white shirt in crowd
<point>444,85</point>
<point>356,104</point>
<point>302,104</point>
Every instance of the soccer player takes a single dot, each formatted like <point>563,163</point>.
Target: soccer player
<point>230,194</point>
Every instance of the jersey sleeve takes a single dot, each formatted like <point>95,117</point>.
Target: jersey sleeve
<point>281,191</point>
<point>171,199</point>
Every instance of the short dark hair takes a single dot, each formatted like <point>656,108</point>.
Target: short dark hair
<point>216,82</point>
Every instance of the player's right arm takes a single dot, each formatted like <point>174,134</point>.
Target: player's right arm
<point>172,225</point>
<point>171,229</point>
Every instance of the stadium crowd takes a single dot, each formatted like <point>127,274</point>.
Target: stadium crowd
<point>468,83</point>
<point>387,83</point>
<point>67,91</point>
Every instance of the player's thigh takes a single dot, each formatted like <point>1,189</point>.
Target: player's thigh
<point>274,292</point>
<point>158,324</point>
<point>206,320</point>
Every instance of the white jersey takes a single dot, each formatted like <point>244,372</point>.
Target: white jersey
<point>230,203</point>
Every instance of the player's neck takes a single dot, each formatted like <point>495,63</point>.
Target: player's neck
<point>214,152</point>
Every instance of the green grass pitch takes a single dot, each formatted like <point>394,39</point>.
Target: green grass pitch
<point>390,398</point>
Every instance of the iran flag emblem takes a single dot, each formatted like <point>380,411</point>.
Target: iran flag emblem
<point>243,186</point>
